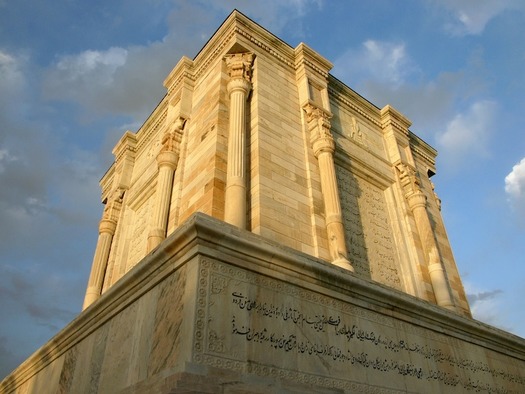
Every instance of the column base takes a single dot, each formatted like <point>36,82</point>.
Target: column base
<point>91,296</point>
<point>439,284</point>
<point>343,263</point>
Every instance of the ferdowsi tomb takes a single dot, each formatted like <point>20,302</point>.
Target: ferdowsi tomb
<point>269,230</point>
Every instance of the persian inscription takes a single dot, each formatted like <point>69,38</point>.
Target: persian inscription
<point>272,325</point>
<point>368,231</point>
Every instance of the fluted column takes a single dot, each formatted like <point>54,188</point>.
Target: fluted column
<point>417,203</point>
<point>167,160</point>
<point>106,230</point>
<point>239,68</point>
<point>323,146</point>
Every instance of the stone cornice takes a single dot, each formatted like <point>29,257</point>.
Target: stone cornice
<point>391,116</point>
<point>347,96</point>
<point>126,144</point>
<point>280,56</point>
<point>240,29</point>
<point>307,56</point>
<point>106,182</point>
<point>423,150</point>
<point>152,124</point>
<point>183,70</point>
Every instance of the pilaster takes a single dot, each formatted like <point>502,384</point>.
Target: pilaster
<point>417,203</point>
<point>318,121</point>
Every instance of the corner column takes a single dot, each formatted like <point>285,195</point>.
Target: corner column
<point>239,69</point>
<point>167,160</point>
<point>417,202</point>
<point>323,146</point>
<point>106,231</point>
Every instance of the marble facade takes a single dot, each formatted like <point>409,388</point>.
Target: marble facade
<point>267,229</point>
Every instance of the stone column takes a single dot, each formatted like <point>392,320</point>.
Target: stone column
<point>417,203</point>
<point>323,146</point>
<point>107,227</point>
<point>239,69</point>
<point>167,160</point>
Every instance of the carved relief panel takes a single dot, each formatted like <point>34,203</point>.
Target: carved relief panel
<point>371,247</point>
<point>139,232</point>
<point>357,130</point>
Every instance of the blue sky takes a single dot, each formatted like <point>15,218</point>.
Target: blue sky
<point>74,75</point>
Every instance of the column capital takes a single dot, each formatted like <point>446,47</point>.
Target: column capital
<point>172,137</point>
<point>318,121</point>
<point>167,159</point>
<point>409,180</point>
<point>240,65</point>
<point>416,200</point>
<point>113,204</point>
<point>169,152</point>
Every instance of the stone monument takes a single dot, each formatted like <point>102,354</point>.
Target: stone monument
<point>268,229</point>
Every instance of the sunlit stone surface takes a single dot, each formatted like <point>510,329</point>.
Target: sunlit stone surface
<point>269,230</point>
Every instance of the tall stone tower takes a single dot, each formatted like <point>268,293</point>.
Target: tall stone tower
<point>260,135</point>
<point>267,229</point>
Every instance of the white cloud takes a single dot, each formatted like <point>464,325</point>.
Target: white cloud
<point>472,16</point>
<point>382,61</point>
<point>515,181</point>
<point>515,187</point>
<point>128,80</point>
<point>95,66</point>
<point>12,84</point>
<point>11,76</point>
<point>468,133</point>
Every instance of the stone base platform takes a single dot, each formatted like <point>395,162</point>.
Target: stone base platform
<point>215,309</point>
